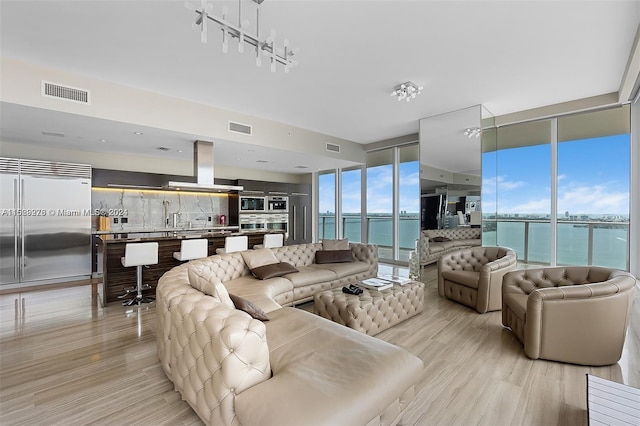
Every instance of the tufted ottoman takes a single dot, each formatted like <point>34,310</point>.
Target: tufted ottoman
<point>372,311</point>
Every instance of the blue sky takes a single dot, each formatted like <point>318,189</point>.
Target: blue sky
<point>379,190</point>
<point>593,178</point>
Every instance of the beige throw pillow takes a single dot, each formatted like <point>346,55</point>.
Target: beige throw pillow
<point>342,244</point>
<point>259,257</point>
<point>204,280</point>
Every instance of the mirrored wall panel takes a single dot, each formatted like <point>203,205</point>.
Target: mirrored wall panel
<point>450,168</point>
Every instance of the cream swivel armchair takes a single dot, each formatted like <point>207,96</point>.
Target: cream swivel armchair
<point>473,276</point>
<point>271,241</point>
<point>192,249</point>
<point>233,244</point>
<point>574,314</point>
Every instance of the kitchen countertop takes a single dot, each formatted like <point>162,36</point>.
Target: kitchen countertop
<point>213,228</point>
<point>171,235</point>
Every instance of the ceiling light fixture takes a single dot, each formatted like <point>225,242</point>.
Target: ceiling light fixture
<point>239,31</point>
<point>137,133</point>
<point>406,91</point>
<point>472,132</point>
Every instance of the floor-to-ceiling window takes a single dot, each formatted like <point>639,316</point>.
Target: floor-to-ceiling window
<point>391,203</point>
<point>562,189</point>
<point>327,205</point>
<point>351,203</point>
<point>523,185</point>
<point>379,219</point>
<point>593,188</point>
<point>408,199</point>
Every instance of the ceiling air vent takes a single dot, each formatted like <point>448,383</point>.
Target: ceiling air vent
<point>239,128</point>
<point>333,147</point>
<point>58,91</point>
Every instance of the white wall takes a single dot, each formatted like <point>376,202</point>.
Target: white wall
<point>138,163</point>
<point>21,84</point>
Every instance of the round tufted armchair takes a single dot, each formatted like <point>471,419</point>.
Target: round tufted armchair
<point>575,314</point>
<point>473,276</point>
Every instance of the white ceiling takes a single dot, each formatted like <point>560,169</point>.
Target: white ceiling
<point>507,56</point>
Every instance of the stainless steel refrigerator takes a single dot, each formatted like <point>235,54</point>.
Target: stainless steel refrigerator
<point>45,221</point>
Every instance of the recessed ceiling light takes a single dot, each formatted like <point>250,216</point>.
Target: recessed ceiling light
<point>102,140</point>
<point>163,148</point>
<point>251,150</point>
<point>59,135</point>
<point>137,133</point>
<point>261,161</point>
<point>301,167</point>
<point>179,150</point>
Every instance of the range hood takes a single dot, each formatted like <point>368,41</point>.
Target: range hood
<point>203,171</point>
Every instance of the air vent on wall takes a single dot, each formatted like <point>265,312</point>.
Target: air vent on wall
<point>333,147</point>
<point>234,127</point>
<point>58,91</point>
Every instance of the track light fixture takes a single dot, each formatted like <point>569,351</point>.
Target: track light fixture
<point>267,47</point>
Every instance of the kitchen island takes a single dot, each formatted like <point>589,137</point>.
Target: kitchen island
<point>110,247</point>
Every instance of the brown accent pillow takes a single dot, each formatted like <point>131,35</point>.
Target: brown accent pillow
<point>273,270</point>
<point>252,309</point>
<point>440,239</point>
<point>342,244</point>
<point>333,256</point>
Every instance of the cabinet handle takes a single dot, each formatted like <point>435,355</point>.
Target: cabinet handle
<point>304,222</point>
<point>16,231</point>
<point>294,222</point>
<point>22,230</point>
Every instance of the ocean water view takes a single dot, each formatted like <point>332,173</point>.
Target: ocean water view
<point>579,242</point>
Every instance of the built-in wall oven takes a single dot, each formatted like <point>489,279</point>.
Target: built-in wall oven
<point>252,222</point>
<point>277,204</point>
<point>278,222</point>
<point>251,204</point>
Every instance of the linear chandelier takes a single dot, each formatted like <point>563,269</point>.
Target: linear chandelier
<point>264,47</point>
<point>406,91</point>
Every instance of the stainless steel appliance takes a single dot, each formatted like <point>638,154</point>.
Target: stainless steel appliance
<point>252,222</point>
<point>277,204</point>
<point>45,221</point>
<point>278,222</point>
<point>251,204</point>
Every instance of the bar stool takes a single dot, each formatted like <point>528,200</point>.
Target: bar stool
<point>139,255</point>
<point>232,244</point>
<point>192,249</point>
<point>271,240</point>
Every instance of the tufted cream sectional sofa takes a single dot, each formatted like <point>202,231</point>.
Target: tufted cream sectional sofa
<point>295,369</point>
<point>463,237</point>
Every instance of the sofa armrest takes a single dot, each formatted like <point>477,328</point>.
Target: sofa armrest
<point>366,253</point>
<point>217,352</point>
<point>572,315</point>
<point>490,281</point>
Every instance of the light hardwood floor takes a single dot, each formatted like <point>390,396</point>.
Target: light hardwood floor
<point>65,360</point>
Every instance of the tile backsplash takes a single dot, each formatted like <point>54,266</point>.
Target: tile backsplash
<point>146,209</point>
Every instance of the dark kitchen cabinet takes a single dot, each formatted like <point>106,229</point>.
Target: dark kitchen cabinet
<point>300,224</point>
<point>256,187</point>
<point>277,188</point>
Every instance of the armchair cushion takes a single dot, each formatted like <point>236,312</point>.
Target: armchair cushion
<point>466,278</point>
